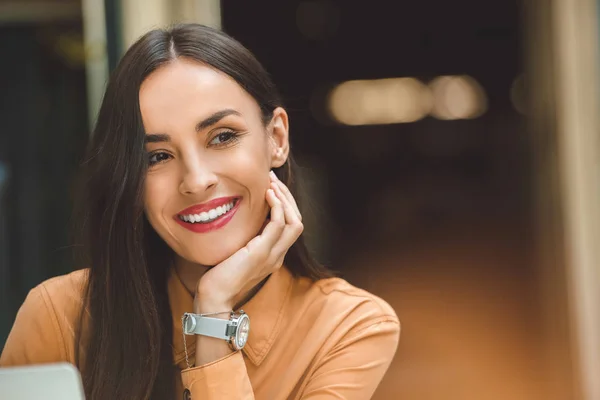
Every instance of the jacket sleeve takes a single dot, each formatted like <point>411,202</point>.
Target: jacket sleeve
<point>226,378</point>
<point>35,336</point>
<point>353,369</point>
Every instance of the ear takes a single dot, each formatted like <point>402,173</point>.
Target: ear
<point>279,140</point>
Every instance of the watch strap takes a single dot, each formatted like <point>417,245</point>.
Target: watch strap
<point>195,324</point>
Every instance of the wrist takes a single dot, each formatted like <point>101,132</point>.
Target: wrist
<point>207,299</point>
<point>210,306</point>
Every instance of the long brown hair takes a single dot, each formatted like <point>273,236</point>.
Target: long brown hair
<point>126,351</point>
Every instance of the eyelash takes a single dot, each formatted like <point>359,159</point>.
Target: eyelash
<point>154,154</point>
<point>233,138</point>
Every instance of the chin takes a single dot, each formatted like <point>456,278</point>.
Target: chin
<point>209,261</point>
<point>214,257</point>
<point>214,248</point>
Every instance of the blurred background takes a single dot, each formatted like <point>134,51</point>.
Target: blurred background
<point>450,152</point>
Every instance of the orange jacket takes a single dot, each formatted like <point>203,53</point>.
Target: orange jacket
<point>308,340</point>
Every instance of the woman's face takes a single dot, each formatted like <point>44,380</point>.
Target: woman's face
<point>210,156</point>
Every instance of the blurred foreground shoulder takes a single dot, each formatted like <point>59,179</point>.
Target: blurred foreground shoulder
<point>45,326</point>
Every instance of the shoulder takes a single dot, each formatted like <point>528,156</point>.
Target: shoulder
<point>64,297</point>
<point>347,335</point>
<point>347,307</point>
<point>65,290</point>
<point>46,322</point>
<point>342,293</point>
<point>60,297</point>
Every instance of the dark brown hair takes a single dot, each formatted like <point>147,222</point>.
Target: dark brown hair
<point>126,351</point>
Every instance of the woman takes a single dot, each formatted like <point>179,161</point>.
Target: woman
<point>188,220</point>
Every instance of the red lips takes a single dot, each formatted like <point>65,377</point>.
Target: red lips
<point>209,205</point>
<point>203,227</point>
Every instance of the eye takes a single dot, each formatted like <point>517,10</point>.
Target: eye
<point>158,157</point>
<point>224,138</point>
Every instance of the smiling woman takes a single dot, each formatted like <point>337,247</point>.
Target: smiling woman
<point>219,147</point>
<point>199,281</point>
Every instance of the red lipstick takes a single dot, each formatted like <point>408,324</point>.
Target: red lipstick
<point>219,222</point>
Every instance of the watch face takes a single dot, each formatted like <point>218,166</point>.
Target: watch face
<point>243,330</point>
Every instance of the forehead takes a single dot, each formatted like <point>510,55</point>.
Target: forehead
<point>188,89</point>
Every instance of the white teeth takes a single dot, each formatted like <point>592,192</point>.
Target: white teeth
<point>208,216</point>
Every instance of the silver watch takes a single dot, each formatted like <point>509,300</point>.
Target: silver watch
<point>234,330</point>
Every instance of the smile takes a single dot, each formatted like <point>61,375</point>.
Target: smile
<point>209,216</point>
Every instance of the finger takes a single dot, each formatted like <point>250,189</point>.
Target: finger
<point>286,191</point>
<point>288,195</point>
<point>290,213</point>
<point>269,248</point>
<point>270,235</point>
<point>290,234</point>
<point>293,229</point>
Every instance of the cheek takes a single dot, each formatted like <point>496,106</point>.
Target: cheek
<point>252,169</point>
<point>253,157</point>
<point>155,196</point>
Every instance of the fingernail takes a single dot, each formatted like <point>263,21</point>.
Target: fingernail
<point>272,174</point>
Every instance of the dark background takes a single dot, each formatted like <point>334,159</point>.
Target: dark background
<point>442,170</point>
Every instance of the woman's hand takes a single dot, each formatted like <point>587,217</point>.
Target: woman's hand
<point>223,286</point>
<point>226,284</point>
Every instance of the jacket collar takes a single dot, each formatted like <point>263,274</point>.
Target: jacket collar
<point>265,310</point>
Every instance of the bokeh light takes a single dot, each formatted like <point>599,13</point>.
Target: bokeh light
<point>457,97</point>
<point>381,101</point>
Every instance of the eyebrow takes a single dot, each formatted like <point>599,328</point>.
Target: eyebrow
<point>216,117</point>
<point>205,123</point>
<point>157,138</point>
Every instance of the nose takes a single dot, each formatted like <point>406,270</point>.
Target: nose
<point>197,178</point>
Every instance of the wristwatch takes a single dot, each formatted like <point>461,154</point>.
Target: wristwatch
<point>234,330</point>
